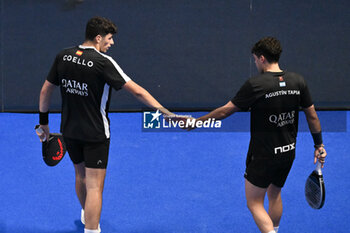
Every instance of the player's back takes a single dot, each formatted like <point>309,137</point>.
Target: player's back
<point>274,114</point>
<point>85,93</point>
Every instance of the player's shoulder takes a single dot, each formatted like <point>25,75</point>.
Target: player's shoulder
<point>294,76</point>
<point>101,56</point>
<point>68,49</point>
<point>256,79</point>
<point>106,57</point>
<point>109,61</point>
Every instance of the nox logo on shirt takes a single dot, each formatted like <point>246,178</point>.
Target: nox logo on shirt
<point>285,148</point>
<point>75,87</point>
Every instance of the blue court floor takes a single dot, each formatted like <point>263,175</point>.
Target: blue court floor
<point>167,182</point>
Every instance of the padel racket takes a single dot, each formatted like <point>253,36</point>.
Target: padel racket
<point>53,149</point>
<point>315,192</point>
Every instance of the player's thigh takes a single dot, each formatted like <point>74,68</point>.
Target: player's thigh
<point>95,178</point>
<point>79,170</point>
<point>274,192</point>
<point>254,193</point>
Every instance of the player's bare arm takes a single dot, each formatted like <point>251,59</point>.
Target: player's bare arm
<point>221,112</point>
<point>315,128</point>
<point>312,119</point>
<point>145,97</point>
<point>45,96</point>
<point>44,103</point>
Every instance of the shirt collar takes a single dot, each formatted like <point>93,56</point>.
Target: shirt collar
<point>87,47</point>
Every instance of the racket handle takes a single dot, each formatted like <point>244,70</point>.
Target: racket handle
<point>318,168</point>
<point>40,131</point>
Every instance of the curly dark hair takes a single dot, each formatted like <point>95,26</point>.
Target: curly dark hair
<point>99,26</point>
<point>269,47</point>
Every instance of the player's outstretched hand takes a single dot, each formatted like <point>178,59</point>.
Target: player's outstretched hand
<point>182,121</point>
<point>191,126</point>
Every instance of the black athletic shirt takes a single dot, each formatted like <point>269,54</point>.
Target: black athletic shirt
<point>85,76</point>
<point>274,99</point>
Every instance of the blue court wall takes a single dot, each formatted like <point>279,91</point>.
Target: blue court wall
<point>189,54</point>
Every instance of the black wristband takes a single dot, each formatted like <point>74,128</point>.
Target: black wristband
<point>317,138</point>
<point>44,118</point>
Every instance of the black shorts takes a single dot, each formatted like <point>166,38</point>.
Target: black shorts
<point>262,172</point>
<point>94,154</point>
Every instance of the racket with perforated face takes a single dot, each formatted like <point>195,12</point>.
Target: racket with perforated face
<point>315,192</point>
<point>53,149</point>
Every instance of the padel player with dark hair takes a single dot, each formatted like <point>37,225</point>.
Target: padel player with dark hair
<point>86,77</point>
<point>274,98</point>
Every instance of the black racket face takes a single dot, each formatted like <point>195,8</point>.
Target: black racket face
<point>315,190</point>
<point>53,150</point>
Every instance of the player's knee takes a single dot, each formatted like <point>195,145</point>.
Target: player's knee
<point>275,199</point>
<point>254,204</point>
<point>274,196</point>
<point>80,179</point>
<point>96,187</point>
<point>94,191</point>
<point>251,205</point>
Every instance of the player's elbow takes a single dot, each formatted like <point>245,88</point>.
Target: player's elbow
<point>310,113</point>
<point>223,115</point>
<point>47,89</point>
<point>44,92</point>
<point>224,112</point>
<point>139,93</point>
<point>135,89</point>
<point>312,117</point>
